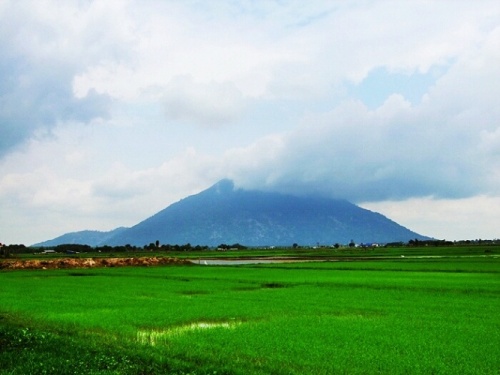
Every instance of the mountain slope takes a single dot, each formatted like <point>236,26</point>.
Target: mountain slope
<point>84,237</point>
<point>223,214</point>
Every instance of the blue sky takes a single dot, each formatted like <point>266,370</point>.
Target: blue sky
<point>381,83</point>
<point>112,110</point>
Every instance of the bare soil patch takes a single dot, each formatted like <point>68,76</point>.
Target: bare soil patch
<point>33,264</point>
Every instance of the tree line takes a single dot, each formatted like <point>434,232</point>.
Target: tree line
<point>9,250</point>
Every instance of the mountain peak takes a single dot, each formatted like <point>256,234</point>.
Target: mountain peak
<point>223,186</point>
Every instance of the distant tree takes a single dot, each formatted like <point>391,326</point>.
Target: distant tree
<point>186,247</point>
<point>4,251</point>
<point>352,244</point>
<point>10,250</point>
<point>72,248</point>
<point>237,246</point>
<point>104,249</point>
<point>157,243</point>
<point>166,247</point>
<point>295,245</point>
<point>336,245</point>
<point>414,242</point>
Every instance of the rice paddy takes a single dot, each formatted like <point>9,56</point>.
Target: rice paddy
<point>397,316</point>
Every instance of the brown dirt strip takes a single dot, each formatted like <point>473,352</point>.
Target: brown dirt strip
<point>89,263</point>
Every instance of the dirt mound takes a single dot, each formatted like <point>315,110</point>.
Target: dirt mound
<point>89,263</point>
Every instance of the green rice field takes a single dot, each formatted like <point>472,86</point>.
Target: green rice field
<point>396,315</point>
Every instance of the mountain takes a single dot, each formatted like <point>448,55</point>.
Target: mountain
<point>84,237</point>
<point>223,214</point>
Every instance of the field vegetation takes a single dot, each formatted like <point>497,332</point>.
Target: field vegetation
<point>433,311</point>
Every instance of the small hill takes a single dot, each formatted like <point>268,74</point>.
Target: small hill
<point>84,237</point>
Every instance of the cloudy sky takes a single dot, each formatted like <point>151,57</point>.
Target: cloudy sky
<point>112,110</point>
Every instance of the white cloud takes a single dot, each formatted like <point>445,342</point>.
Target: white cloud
<point>206,104</point>
<point>96,97</point>
<point>443,147</point>
<point>451,219</point>
<point>36,70</point>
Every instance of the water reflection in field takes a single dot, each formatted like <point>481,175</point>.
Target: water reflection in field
<point>235,262</point>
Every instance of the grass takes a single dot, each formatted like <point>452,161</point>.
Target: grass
<point>39,351</point>
<point>418,316</point>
